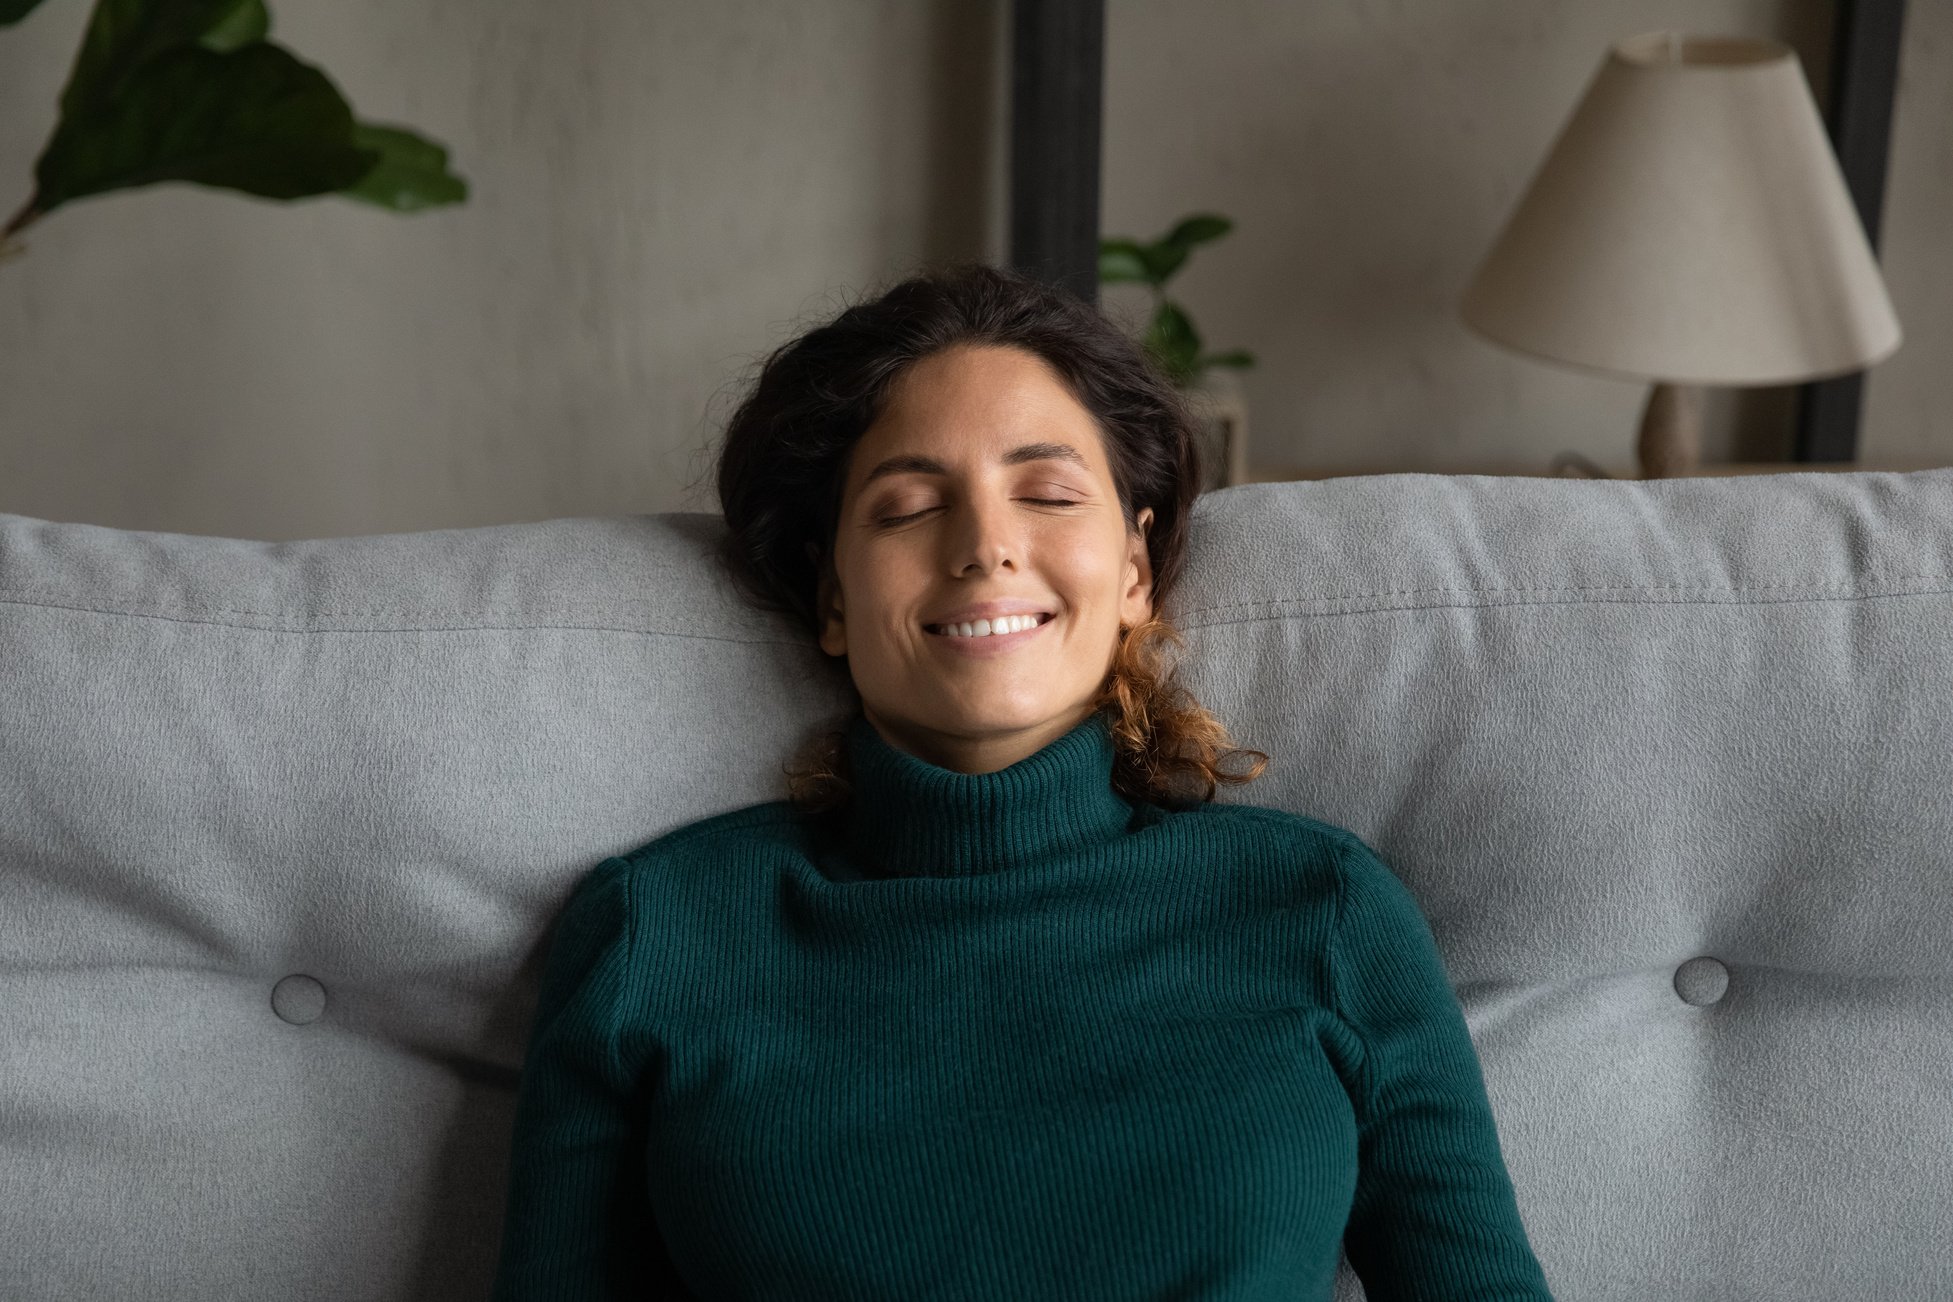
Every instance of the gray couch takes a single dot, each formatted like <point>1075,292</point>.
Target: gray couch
<point>1669,766</point>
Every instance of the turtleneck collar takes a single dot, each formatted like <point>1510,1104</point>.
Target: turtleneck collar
<point>911,818</point>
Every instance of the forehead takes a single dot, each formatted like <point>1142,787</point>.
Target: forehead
<point>976,404</point>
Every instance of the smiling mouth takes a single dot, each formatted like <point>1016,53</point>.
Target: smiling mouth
<point>943,630</point>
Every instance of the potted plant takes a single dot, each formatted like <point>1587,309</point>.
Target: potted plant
<point>191,90</point>
<point>1175,346</point>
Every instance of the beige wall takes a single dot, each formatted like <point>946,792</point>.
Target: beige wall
<point>1370,152</point>
<point>663,192</point>
<point>658,192</point>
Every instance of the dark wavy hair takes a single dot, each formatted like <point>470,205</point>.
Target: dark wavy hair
<point>784,463</point>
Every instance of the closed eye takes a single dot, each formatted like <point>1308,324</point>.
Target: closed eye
<point>1041,501</point>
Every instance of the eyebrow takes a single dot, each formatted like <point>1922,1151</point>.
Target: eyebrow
<point>1017,456</point>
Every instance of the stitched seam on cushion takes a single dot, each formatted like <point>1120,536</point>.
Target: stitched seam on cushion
<point>1873,577</point>
<point>1191,619</point>
<point>1879,577</point>
<point>416,628</point>
<point>1188,618</point>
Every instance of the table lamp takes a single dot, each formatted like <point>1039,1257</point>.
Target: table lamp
<point>1690,226</point>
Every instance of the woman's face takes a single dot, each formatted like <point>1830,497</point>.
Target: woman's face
<point>982,481</point>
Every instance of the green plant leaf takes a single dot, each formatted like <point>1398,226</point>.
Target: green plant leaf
<point>1173,342</point>
<point>1163,259</point>
<point>412,172</point>
<point>12,11</point>
<point>123,35</point>
<point>1168,254</point>
<point>1239,359</point>
<point>1122,262</point>
<point>255,119</point>
<point>1198,229</point>
<point>247,23</point>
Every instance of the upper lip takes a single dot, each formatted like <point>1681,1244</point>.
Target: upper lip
<point>987,610</point>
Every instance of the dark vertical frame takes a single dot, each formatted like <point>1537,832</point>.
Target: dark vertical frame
<point>1864,83</point>
<point>1057,93</point>
<point>1057,90</point>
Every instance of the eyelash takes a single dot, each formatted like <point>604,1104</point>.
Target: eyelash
<point>1041,501</point>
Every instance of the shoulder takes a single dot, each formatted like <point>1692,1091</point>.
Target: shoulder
<point>1290,832</point>
<point>1280,856</point>
<point>693,869</point>
<point>731,831</point>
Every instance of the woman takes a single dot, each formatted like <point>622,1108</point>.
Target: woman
<point>999,1002</point>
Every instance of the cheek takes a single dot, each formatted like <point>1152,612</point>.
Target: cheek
<point>1085,569</point>
<point>886,588</point>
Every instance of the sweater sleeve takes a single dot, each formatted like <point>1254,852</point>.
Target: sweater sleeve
<point>578,1225</point>
<point>1434,1216</point>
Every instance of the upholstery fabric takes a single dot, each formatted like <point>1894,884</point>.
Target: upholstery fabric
<point>1668,766</point>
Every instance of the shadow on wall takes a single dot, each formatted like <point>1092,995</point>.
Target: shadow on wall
<point>963,51</point>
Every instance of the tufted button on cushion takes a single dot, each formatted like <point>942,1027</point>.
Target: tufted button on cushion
<point>298,999</point>
<point>1701,980</point>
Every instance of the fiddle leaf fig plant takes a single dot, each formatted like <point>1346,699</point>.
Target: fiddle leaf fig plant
<point>191,90</point>
<point>1170,339</point>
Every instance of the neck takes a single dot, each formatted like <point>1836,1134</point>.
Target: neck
<point>910,817</point>
<point>985,754</point>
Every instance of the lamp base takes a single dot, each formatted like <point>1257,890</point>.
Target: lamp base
<point>1671,430</point>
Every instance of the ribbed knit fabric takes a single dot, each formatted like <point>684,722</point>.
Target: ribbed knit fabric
<point>1003,1035</point>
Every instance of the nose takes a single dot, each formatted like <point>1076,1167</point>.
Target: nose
<point>983,536</point>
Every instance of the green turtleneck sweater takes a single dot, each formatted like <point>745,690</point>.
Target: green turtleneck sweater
<point>1003,1035</point>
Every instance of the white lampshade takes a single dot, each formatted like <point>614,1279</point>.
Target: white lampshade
<point>1689,225</point>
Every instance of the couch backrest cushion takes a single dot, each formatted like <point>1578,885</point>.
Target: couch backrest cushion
<point>286,825</point>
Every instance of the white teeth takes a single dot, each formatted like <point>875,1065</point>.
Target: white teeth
<point>985,627</point>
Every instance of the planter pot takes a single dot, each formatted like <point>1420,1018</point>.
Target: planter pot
<point>1220,411</point>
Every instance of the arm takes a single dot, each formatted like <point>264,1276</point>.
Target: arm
<point>1434,1216</point>
<point>578,1224</point>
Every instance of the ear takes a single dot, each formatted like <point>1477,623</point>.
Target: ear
<point>827,606</point>
<point>1136,603</point>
